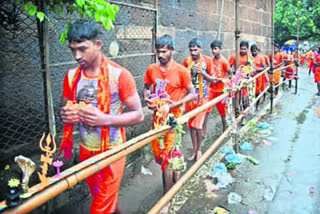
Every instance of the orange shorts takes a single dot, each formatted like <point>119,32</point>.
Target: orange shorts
<point>316,75</point>
<point>104,184</point>
<point>198,120</point>
<point>221,107</point>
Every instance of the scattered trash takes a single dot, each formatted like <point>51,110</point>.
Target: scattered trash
<point>227,150</point>
<point>265,132</point>
<point>7,167</point>
<point>252,160</point>
<point>230,165</point>
<point>224,180</point>
<point>267,143</point>
<point>210,186</point>
<point>220,210</point>
<point>234,198</point>
<point>245,146</point>
<point>311,191</point>
<point>145,171</point>
<point>291,173</point>
<point>219,167</point>
<point>251,123</point>
<point>252,212</point>
<point>263,125</point>
<point>222,176</point>
<point>318,111</point>
<point>234,158</point>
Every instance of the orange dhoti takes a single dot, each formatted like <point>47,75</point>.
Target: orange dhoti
<point>288,73</point>
<point>198,120</point>
<point>221,107</point>
<point>258,84</point>
<point>276,77</point>
<point>104,184</point>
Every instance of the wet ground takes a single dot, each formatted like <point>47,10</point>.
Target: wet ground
<point>287,178</point>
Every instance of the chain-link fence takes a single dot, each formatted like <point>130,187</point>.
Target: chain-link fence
<point>23,112</point>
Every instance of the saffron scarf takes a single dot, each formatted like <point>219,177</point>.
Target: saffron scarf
<point>103,104</point>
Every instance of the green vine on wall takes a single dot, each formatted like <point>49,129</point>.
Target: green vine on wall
<point>98,10</point>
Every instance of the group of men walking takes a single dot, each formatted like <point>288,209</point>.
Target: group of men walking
<point>106,86</point>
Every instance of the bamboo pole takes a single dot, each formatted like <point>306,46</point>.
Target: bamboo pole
<point>73,179</point>
<point>181,181</point>
<point>175,188</point>
<point>98,162</point>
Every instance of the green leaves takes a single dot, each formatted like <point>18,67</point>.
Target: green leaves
<point>64,33</point>
<point>99,10</point>
<point>40,16</point>
<point>30,8</point>
<point>286,18</point>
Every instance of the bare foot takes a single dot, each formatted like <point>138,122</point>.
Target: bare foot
<point>164,209</point>
<point>199,154</point>
<point>191,158</point>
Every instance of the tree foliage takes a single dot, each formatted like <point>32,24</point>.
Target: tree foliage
<point>99,10</point>
<point>286,15</point>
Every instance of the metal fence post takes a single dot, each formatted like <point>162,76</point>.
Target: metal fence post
<point>271,60</point>
<point>44,54</point>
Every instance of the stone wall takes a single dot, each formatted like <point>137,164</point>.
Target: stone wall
<point>187,19</point>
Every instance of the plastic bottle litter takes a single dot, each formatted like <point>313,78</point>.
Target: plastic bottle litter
<point>234,198</point>
<point>252,212</point>
<point>252,160</point>
<point>246,146</point>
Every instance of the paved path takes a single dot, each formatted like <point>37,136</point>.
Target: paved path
<point>287,178</point>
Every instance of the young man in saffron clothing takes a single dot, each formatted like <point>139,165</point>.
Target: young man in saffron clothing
<point>200,69</point>
<point>221,70</point>
<point>180,90</point>
<point>258,65</point>
<point>264,77</point>
<point>243,59</point>
<point>316,74</point>
<point>310,57</point>
<point>105,87</point>
<point>288,60</point>
<point>277,62</point>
